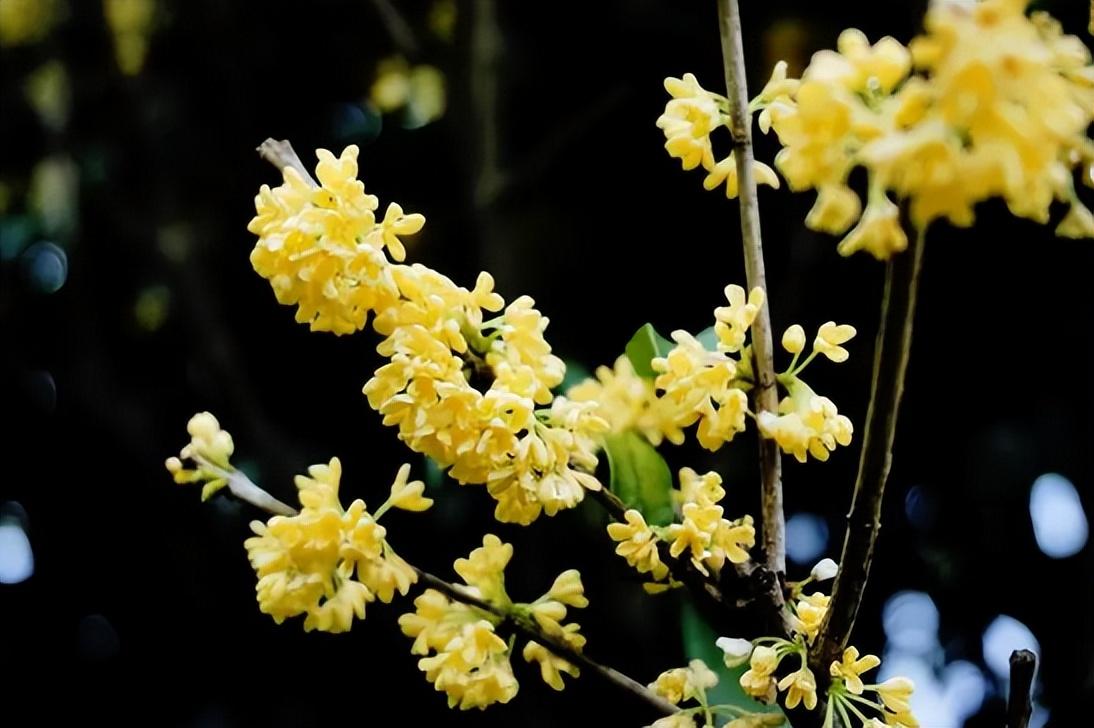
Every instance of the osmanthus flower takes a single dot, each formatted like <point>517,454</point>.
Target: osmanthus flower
<point>688,120</point>
<point>704,534</point>
<point>638,545</point>
<point>847,695</point>
<point>209,451</point>
<point>626,401</point>
<point>904,114</point>
<point>807,423</point>
<point>321,247</point>
<point>464,657</point>
<point>326,562</point>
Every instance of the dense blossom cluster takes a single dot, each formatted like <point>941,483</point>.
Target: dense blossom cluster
<point>989,102</point>
<point>695,384</point>
<point>703,535</point>
<point>327,562</point>
<point>472,392</point>
<point>463,655</point>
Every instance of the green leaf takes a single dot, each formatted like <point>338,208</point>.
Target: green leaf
<point>708,339</point>
<point>699,644</point>
<point>640,476</point>
<point>645,345</point>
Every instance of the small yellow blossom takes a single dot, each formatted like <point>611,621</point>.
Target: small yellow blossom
<point>734,320</point>
<point>851,668</point>
<point>551,666</point>
<point>484,568</point>
<point>473,669</point>
<point>758,681</point>
<point>638,545</point>
<point>408,495</point>
<point>809,613</point>
<point>306,563</point>
<point>569,590</point>
<point>210,450</point>
<point>879,232</point>
<point>806,424</point>
<point>685,683</point>
<point>829,338</point>
<point>794,339</point>
<point>1078,223</point>
<point>625,401</point>
<point>896,693</point>
<point>801,687</point>
<point>836,209</point>
<point>725,173</point>
<point>705,489</point>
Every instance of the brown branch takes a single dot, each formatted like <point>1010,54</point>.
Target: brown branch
<point>1023,664</point>
<point>892,349</point>
<point>767,399</point>
<point>532,631</point>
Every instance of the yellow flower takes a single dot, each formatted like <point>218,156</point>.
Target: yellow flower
<point>435,621</point>
<point>758,680</point>
<point>625,401</point>
<point>725,172</point>
<point>896,693</point>
<point>852,667</point>
<point>473,669</point>
<point>836,209</point>
<point>321,248</point>
<point>684,683</point>
<point>695,533</point>
<point>809,613</point>
<point>731,541</point>
<point>569,590</point>
<point>801,687</point>
<point>209,451</point>
<point>829,338</point>
<point>734,320</point>
<point>705,489</point>
<point>305,563</point>
<point>689,117</point>
<point>879,232</point>
<point>807,424</point>
<point>638,545</point>
<point>551,666</point>
<point>484,568</point>
<point>408,495</point>
<point>794,339</point>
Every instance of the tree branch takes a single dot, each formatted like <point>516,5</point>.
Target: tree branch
<point>892,349</point>
<point>767,399</point>
<point>281,154</point>
<point>1023,664</point>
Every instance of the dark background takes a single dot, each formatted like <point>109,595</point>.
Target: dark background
<point>548,171</point>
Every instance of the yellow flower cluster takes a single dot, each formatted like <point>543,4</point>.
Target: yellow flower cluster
<point>703,534</point>
<point>807,423</point>
<point>463,655</point>
<point>473,394</point>
<point>689,118</point>
<point>627,401</point>
<point>1000,108</point>
<point>307,563</point>
<point>892,697</point>
<point>708,538</point>
<point>210,450</point>
<point>470,662</point>
<point>709,387</point>
<point>322,248</point>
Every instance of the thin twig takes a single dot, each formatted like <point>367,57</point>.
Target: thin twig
<point>530,630</point>
<point>281,155</point>
<point>245,490</point>
<point>892,349</point>
<point>1023,664</point>
<point>767,400</point>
